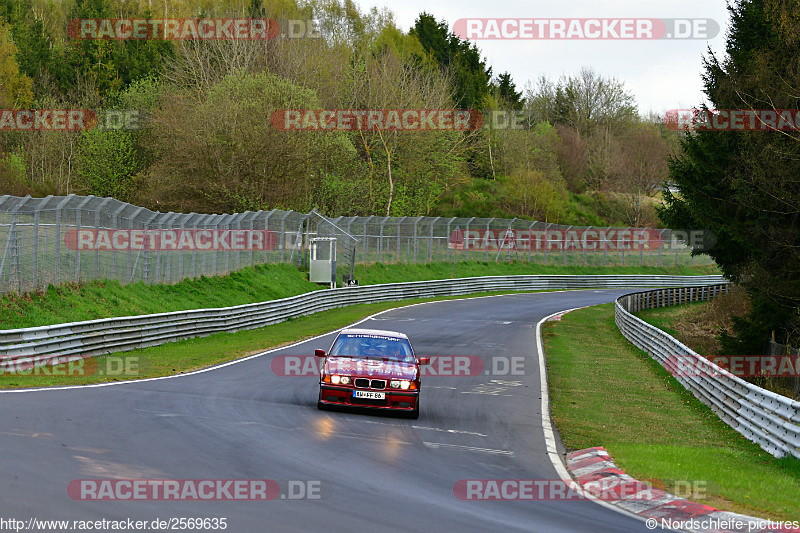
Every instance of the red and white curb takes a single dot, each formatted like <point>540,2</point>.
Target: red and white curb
<point>559,316</point>
<point>593,467</point>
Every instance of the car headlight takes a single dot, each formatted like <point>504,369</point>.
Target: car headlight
<point>345,380</point>
<point>395,384</point>
<point>405,384</point>
<point>335,379</point>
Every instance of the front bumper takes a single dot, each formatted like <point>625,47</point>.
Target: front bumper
<point>395,400</point>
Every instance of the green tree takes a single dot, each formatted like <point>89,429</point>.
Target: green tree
<point>742,185</point>
<point>15,87</point>
<point>224,155</point>
<point>507,91</point>
<point>107,164</point>
<point>459,58</point>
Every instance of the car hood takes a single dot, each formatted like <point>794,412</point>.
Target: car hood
<point>370,368</point>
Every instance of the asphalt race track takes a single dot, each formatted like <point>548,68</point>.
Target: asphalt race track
<point>243,421</point>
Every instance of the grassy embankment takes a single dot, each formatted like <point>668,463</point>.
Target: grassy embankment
<point>605,392</point>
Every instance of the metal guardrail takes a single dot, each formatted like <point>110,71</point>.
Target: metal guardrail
<point>762,416</point>
<point>39,345</point>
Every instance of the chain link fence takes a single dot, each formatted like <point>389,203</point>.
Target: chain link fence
<point>61,239</point>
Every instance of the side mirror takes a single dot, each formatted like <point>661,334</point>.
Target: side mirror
<point>319,353</point>
<point>424,360</point>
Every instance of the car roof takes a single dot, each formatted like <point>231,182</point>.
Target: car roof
<point>381,332</point>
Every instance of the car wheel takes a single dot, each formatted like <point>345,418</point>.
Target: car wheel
<point>413,415</point>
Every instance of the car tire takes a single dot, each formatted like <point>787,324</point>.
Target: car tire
<point>413,415</point>
<point>321,406</point>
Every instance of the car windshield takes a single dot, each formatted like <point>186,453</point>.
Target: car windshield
<point>373,346</point>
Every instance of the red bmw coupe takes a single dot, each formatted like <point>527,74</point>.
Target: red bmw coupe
<point>371,368</point>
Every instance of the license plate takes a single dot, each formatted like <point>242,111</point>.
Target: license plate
<point>369,395</point>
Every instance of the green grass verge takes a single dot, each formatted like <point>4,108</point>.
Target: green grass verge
<point>606,392</point>
<point>193,354</point>
<point>103,299</point>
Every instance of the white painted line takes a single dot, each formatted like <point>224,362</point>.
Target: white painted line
<point>460,432</point>
<point>547,426</point>
<point>438,445</point>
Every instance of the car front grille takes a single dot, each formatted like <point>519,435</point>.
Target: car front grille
<point>364,383</point>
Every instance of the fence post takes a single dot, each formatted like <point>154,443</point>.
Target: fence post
<point>367,220</point>
<point>547,241</point>
<point>448,236</point>
<point>147,252</point>
<point>530,240</point>
<point>585,244</point>
<point>466,239</point>
<point>170,217</point>
<point>283,233</point>
<point>430,242</point>
<point>397,252</point>
<point>35,246</point>
<point>623,246</point>
<point>78,212</point>
<point>115,225</point>
<point>486,238</point>
<point>13,243</point>
<point>380,240</point>
<point>59,208</point>
<point>97,212</point>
